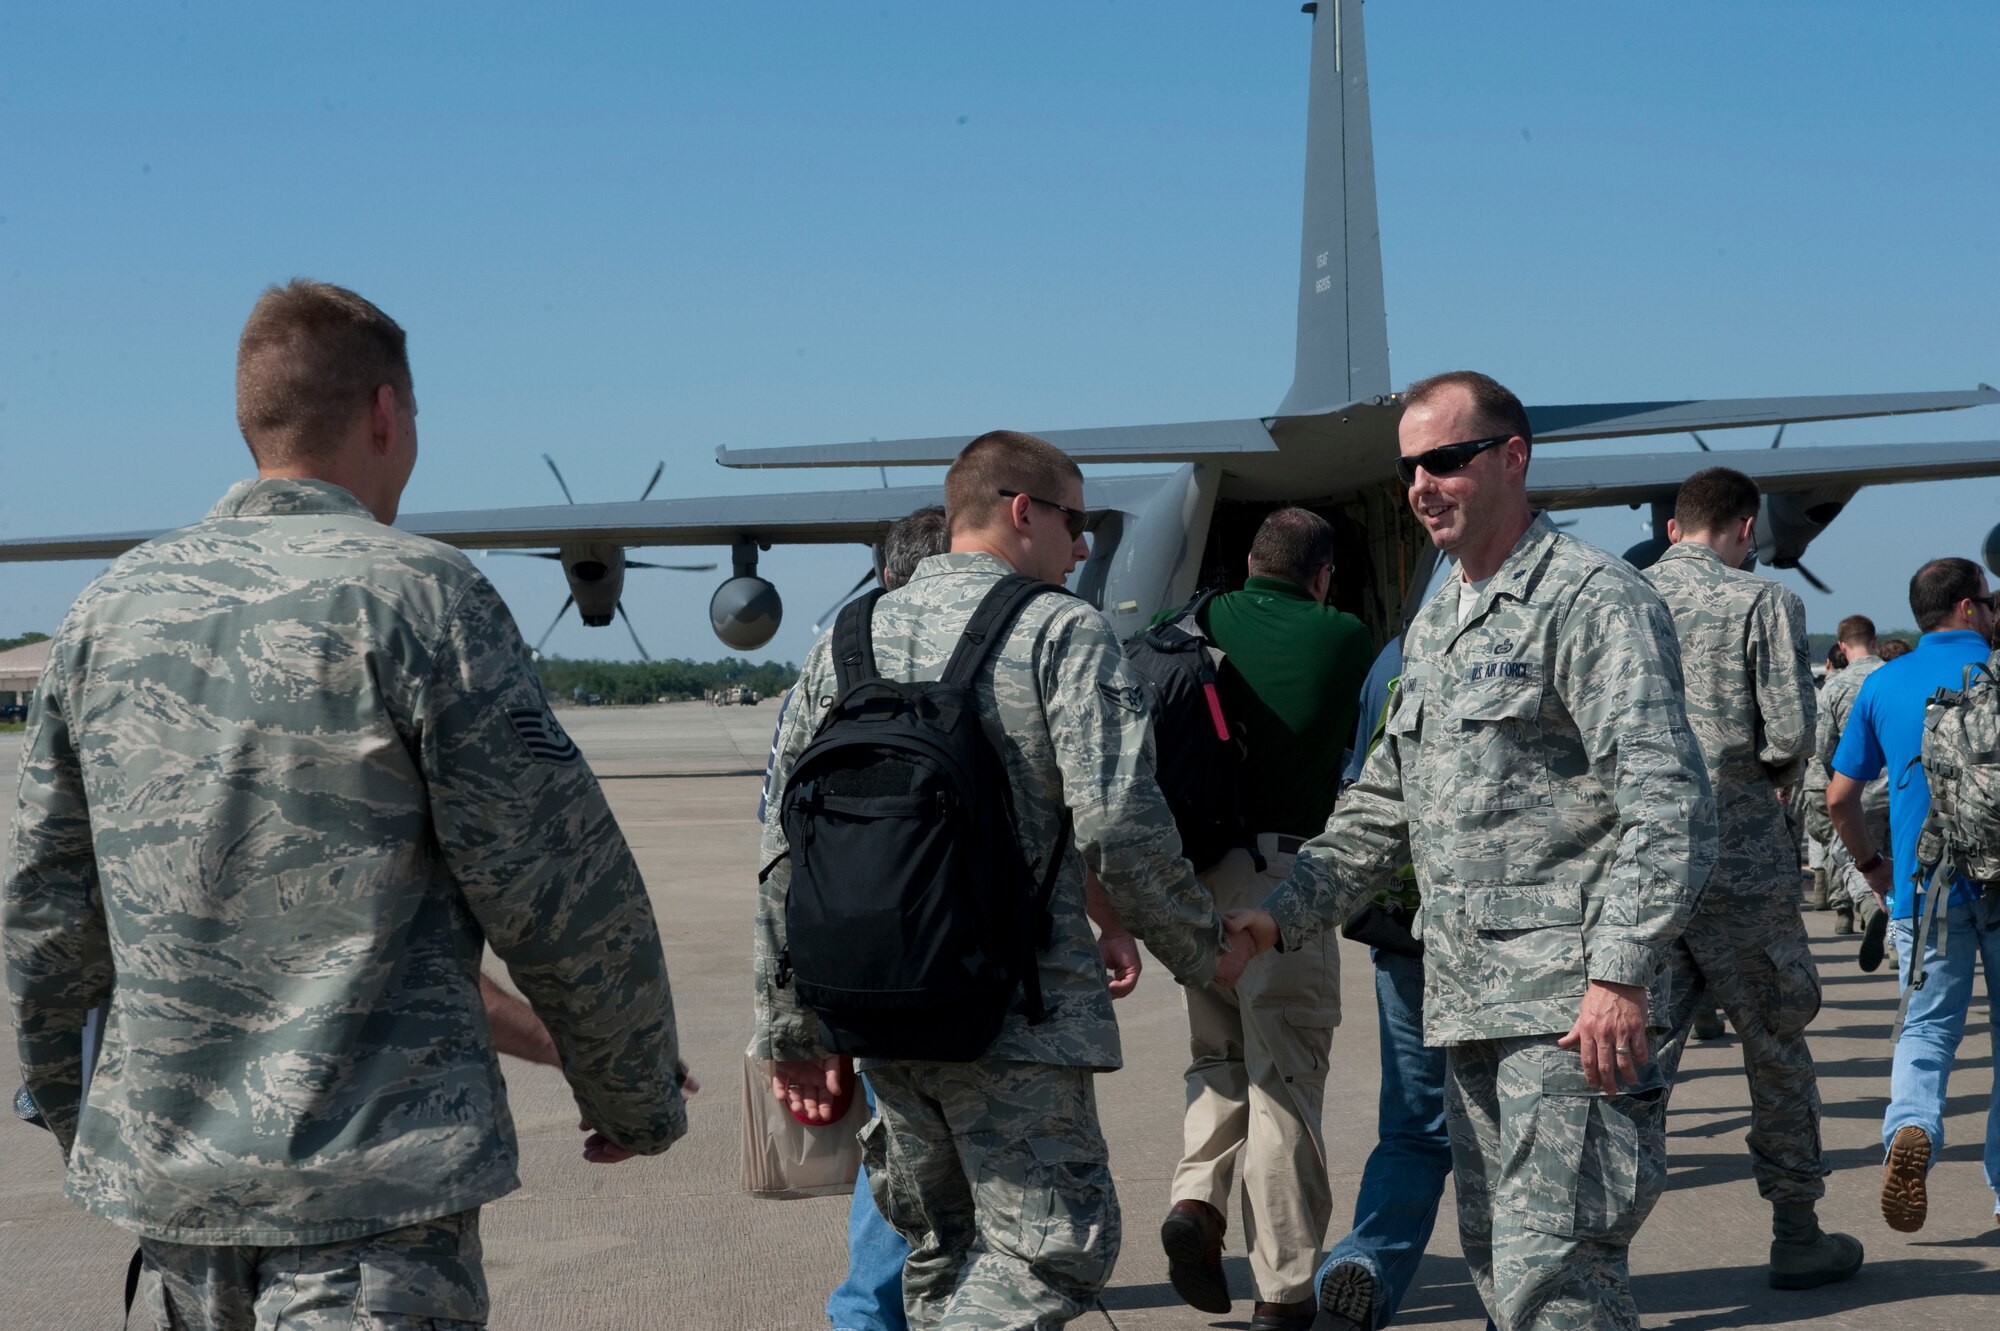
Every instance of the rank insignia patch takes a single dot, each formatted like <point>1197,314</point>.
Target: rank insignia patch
<point>542,734</point>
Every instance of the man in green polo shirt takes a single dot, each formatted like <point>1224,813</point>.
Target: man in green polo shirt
<point>1290,683</point>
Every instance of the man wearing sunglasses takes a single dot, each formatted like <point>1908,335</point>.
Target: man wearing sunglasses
<point>995,1170</point>
<point>1539,771</point>
<point>1751,702</point>
<point>1955,610</point>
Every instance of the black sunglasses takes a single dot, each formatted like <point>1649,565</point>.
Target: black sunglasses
<point>1445,460</point>
<point>1074,516</point>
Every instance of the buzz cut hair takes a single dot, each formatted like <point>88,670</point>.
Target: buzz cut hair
<point>1003,460</point>
<point>1494,403</point>
<point>1293,543</point>
<point>912,540</point>
<point>1713,498</point>
<point>308,364</point>
<point>1938,587</point>
<point>1855,631</point>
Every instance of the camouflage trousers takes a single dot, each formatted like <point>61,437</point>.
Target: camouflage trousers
<point>1847,883</point>
<point>1760,970</point>
<point>1553,1181</point>
<point>997,1175</point>
<point>422,1277</point>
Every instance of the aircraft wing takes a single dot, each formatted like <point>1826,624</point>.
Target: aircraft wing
<point>1186,441</point>
<point>1368,428</point>
<point>1607,420</point>
<point>1628,478</point>
<point>807,518</point>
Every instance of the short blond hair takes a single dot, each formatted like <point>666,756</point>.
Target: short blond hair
<point>310,359</point>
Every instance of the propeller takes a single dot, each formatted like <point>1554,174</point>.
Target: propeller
<point>845,597</point>
<point>523,554</point>
<point>677,568</point>
<point>643,654</point>
<point>557,473</point>
<point>1807,573</point>
<point>646,493</point>
<point>1776,439</point>
<point>568,601</point>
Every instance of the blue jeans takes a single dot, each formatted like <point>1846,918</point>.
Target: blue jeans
<point>871,1298</point>
<point>1935,1025</point>
<point>1404,1178</point>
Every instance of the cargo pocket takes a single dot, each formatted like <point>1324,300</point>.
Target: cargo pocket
<point>1794,996</point>
<point>1300,1044</point>
<point>1527,942</point>
<point>425,1283</point>
<point>1593,1168</point>
<point>1069,1214</point>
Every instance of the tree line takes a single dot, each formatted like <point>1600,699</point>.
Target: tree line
<point>658,681</point>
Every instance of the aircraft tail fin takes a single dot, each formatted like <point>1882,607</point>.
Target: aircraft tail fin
<point>1343,337</point>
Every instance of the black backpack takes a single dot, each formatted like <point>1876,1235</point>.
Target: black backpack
<point>912,918</point>
<point>1198,756</point>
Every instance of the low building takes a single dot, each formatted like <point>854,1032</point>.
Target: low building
<point>20,668</point>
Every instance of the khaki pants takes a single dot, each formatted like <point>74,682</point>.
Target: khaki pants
<point>1256,1084</point>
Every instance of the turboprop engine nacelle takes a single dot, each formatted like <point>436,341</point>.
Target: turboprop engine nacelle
<point>596,576</point>
<point>745,612</point>
<point>1990,551</point>
<point>1787,523</point>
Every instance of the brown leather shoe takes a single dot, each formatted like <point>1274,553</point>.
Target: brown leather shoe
<point>1192,1236</point>
<point>1283,1316</point>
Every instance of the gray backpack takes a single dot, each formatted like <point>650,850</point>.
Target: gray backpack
<point>1962,762</point>
<point>1961,835</point>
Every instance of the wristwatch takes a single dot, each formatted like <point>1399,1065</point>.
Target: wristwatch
<point>1874,863</point>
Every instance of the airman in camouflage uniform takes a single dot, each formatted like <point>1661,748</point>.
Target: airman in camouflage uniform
<point>1539,771</point>
<point>995,1170</point>
<point>1848,889</point>
<point>287,772</point>
<point>1750,699</point>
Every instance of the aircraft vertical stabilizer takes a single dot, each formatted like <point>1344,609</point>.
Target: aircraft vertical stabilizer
<point>1343,341</point>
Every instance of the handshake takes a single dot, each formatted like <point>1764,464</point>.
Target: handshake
<point>1250,931</point>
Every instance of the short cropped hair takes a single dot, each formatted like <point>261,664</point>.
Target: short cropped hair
<point>1496,406</point>
<point>911,541</point>
<point>1002,460</point>
<point>310,359</point>
<point>1938,587</point>
<point>1713,498</point>
<point>1293,543</point>
<point>1895,647</point>
<point>1855,630</point>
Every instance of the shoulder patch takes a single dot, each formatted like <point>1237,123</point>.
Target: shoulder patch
<point>1126,696</point>
<point>542,734</point>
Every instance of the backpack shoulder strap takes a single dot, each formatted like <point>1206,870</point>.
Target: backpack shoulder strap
<point>990,622</point>
<point>854,642</point>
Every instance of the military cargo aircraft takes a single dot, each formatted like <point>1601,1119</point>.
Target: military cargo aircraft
<point>1330,444</point>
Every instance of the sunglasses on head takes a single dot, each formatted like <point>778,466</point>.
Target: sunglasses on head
<point>1074,516</point>
<point>1445,460</point>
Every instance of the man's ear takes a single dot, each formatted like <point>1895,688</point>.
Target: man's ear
<point>1673,531</point>
<point>385,424</point>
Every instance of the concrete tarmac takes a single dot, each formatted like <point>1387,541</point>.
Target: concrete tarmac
<point>674,1242</point>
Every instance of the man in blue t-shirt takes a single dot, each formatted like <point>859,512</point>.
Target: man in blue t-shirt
<point>1885,733</point>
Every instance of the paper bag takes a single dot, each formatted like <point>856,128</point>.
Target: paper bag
<point>782,1157</point>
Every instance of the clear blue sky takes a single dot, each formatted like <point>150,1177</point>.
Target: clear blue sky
<point>620,234</point>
